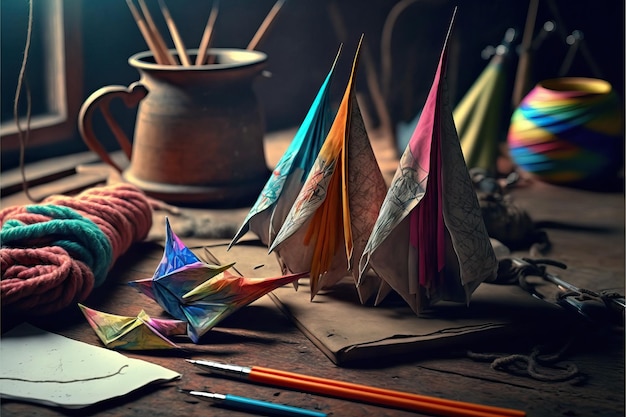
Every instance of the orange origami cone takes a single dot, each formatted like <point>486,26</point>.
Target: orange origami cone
<point>321,233</point>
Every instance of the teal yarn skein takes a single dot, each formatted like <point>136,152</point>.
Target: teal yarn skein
<point>53,254</point>
<point>75,233</point>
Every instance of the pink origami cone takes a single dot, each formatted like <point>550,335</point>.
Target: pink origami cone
<point>429,242</point>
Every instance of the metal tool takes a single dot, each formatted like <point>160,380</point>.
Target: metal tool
<point>602,306</point>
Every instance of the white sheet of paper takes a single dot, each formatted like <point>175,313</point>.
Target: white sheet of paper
<point>46,368</point>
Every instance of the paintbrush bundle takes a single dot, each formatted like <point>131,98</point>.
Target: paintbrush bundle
<point>158,47</point>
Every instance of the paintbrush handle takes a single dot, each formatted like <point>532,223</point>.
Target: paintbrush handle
<point>156,36</point>
<point>365,393</point>
<point>207,36</point>
<point>178,41</point>
<point>356,392</point>
<point>254,405</point>
<point>147,34</point>
<point>267,22</point>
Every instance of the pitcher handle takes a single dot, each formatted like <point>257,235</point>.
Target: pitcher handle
<point>101,98</point>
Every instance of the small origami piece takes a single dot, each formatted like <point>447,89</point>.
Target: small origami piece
<point>429,242</point>
<point>228,292</point>
<point>133,333</point>
<point>329,223</point>
<point>268,213</point>
<point>199,293</point>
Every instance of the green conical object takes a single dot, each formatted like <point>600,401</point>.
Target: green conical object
<point>478,116</point>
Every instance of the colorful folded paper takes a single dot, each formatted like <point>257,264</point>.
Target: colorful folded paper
<point>430,242</point>
<point>270,209</point>
<point>328,225</point>
<point>327,213</point>
<point>133,333</point>
<point>198,293</point>
<point>425,239</point>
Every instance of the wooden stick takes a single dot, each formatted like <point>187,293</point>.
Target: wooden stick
<point>522,81</point>
<point>385,124</point>
<point>158,39</point>
<point>207,35</point>
<point>178,42</point>
<point>145,32</point>
<point>265,25</point>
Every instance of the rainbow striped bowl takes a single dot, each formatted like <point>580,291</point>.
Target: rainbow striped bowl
<point>568,130</point>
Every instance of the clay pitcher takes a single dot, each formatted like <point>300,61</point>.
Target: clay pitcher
<point>199,130</point>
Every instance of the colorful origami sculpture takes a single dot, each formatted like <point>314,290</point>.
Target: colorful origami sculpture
<point>268,213</point>
<point>429,242</point>
<point>133,333</point>
<point>201,294</point>
<point>329,223</point>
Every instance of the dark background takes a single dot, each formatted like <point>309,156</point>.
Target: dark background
<point>303,41</point>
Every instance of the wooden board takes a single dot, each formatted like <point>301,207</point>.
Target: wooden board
<point>347,331</point>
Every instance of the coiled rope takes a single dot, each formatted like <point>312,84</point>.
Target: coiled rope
<point>55,253</point>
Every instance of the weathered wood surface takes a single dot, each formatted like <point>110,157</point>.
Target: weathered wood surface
<point>587,233</point>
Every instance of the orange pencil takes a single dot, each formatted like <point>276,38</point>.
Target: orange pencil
<point>363,393</point>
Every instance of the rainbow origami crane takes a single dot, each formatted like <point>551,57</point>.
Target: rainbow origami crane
<point>429,242</point>
<point>201,294</point>
<point>328,224</point>
<point>133,333</point>
<point>269,211</point>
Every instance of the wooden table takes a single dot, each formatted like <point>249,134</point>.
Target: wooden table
<point>587,232</point>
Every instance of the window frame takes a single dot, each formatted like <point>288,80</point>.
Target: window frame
<point>64,80</point>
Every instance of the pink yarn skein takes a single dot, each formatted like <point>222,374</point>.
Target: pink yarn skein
<point>39,278</point>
